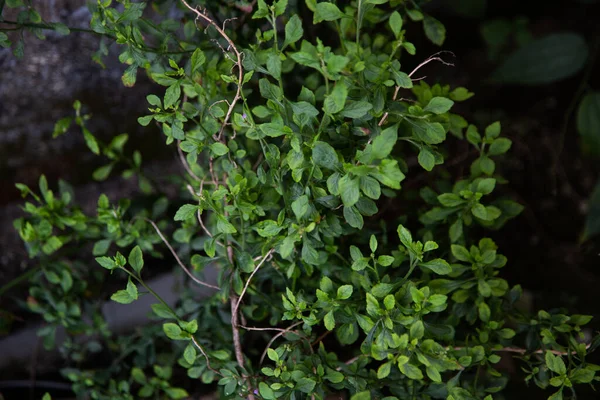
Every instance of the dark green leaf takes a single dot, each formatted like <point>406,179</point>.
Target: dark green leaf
<point>434,30</point>
<point>324,155</point>
<point>546,60</point>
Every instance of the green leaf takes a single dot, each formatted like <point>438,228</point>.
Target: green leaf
<point>335,101</point>
<point>384,370</point>
<point>268,228</point>
<point>426,159</point>
<point>219,149</point>
<point>162,311</point>
<point>274,65</point>
<point>172,330</point>
<point>411,371</point>
<point>588,122</point>
<point>405,236</point>
<point>549,59</point>
<point>129,76</point>
<point>90,141</point>
<point>300,206</point>
<point>269,91</point>
<point>434,30</point>
<point>484,312</point>
<point>225,226</point>
<point>344,292</point>
<point>384,143</point>
<point>102,173</point>
<point>349,190</point>
<point>439,266</point>
<point>417,330</point>
<point>460,253</point>
<point>486,185</point>
<point>107,263</point>
<point>370,187</point>
<point>461,94</point>
<point>176,393</point>
<point>555,363</point>
<point>326,12</point>
<point>198,59</point>
<point>433,374</point>
<point>293,30</point>
<point>439,105</point>
<point>265,391</point>
<point>329,321</point>
<point>136,259</point>
<point>396,23</point>
<point>324,155</point>
<point>501,146</point>
<point>365,395</point>
<point>353,217</point>
<point>61,126</point>
<point>190,354</point>
<point>492,131</point>
<point>122,297</point>
<point>185,212</point>
<point>172,95</point>
<point>356,109</point>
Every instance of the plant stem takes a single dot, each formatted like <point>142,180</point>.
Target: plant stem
<point>19,279</point>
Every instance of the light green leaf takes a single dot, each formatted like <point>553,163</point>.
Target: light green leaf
<point>335,101</point>
<point>219,149</point>
<point>326,12</point>
<point>426,159</point>
<point>439,266</point>
<point>396,23</point>
<point>329,321</point>
<point>438,105</point>
<point>172,95</point>
<point>122,297</point>
<point>136,259</point>
<point>185,211</point>
<point>300,206</point>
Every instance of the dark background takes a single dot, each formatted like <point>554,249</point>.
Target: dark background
<point>549,169</point>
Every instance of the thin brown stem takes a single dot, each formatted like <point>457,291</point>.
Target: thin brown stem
<point>237,62</point>
<point>433,57</point>
<point>199,346</point>
<point>185,269</point>
<point>266,256</point>
<point>289,329</point>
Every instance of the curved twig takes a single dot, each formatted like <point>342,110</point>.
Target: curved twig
<point>185,269</point>
<point>238,55</point>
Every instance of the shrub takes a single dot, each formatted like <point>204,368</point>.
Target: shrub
<point>319,183</point>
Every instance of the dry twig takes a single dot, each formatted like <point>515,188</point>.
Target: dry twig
<point>433,57</point>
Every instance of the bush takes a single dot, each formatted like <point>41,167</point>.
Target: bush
<point>351,256</point>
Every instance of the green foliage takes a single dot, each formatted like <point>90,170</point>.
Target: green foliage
<point>304,189</point>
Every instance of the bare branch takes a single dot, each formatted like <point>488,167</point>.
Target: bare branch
<point>205,356</point>
<point>237,306</point>
<point>433,57</point>
<point>238,57</point>
<point>289,329</point>
<point>185,269</point>
<point>185,163</point>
